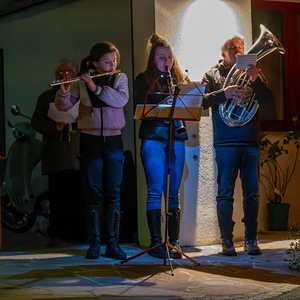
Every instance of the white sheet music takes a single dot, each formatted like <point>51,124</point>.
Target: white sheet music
<point>244,60</point>
<point>69,116</point>
<point>190,94</point>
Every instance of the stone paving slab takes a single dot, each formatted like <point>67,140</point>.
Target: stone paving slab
<point>64,273</point>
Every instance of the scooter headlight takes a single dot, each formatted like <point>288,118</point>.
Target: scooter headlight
<point>18,134</point>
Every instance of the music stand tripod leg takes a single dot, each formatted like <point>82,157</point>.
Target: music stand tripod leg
<point>165,243</point>
<point>176,93</point>
<point>182,253</point>
<point>146,251</point>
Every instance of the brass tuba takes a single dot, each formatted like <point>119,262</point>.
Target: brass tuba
<point>236,113</point>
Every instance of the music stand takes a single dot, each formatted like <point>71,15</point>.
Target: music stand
<point>172,112</point>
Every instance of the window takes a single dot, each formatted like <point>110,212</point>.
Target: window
<point>282,71</point>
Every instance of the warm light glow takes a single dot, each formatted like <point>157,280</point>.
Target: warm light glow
<point>202,28</point>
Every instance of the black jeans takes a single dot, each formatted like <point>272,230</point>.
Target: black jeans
<point>101,167</point>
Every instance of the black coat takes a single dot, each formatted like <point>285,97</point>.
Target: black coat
<point>58,153</point>
<point>156,128</point>
<point>249,134</point>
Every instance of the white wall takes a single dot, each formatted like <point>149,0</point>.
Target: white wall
<point>197,29</point>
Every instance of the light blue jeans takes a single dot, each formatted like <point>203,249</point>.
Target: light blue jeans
<point>155,159</point>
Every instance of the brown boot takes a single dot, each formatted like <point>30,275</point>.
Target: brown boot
<point>228,247</point>
<point>251,247</point>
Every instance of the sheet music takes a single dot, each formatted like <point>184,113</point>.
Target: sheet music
<point>190,94</point>
<point>69,116</point>
<point>244,60</point>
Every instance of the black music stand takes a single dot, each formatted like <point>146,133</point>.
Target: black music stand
<point>168,112</point>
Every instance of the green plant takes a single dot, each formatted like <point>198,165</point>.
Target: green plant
<point>294,252</point>
<point>276,175</point>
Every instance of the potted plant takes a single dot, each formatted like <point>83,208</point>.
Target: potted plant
<point>294,253</point>
<point>275,176</point>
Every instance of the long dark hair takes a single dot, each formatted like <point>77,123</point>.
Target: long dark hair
<point>96,53</point>
<point>151,73</point>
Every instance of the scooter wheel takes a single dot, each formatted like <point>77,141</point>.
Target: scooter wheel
<point>13,220</point>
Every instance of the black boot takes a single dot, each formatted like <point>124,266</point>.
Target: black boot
<point>154,224</point>
<point>113,249</point>
<point>173,230</point>
<point>93,234</point>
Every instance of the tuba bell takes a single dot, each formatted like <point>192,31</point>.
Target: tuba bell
<point>236,113</point>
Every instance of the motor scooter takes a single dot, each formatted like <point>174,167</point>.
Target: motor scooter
<point>24,190</point>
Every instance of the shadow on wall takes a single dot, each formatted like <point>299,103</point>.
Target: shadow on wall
<point>129,224</point>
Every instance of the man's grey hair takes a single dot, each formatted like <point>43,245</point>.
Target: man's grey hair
<point>71,63</point>
<point>235,37</point>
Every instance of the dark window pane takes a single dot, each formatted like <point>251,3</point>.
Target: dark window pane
<point>271,65</point>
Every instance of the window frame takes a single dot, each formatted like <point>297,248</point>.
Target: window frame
<point>291,64</point>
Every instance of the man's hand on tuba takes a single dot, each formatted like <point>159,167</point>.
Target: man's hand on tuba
<point>233,92</point>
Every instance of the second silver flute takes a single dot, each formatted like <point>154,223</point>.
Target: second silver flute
<point>59,82</point>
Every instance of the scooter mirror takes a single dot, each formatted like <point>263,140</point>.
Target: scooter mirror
<point>15,110</point>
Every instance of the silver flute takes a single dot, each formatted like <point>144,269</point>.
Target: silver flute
<point>62,81</point>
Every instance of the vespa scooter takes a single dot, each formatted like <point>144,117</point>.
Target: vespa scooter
<point>24,187</point>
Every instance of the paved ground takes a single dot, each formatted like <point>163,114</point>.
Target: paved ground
<point>30,270</point>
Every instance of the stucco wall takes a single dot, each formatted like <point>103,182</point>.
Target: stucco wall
<point>196,30</point>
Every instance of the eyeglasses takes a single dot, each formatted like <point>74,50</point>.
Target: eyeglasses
<point>63,72</point>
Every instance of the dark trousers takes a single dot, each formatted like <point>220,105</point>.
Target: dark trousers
<point>231,160</point>
<point>102,169</point>
<point>66,220</point>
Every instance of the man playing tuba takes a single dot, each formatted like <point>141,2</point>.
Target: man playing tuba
<point>237,148</point>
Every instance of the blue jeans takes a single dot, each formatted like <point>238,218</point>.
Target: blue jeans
<point>230,160</point>
<point>101,167</point>
<point>155,159</point>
